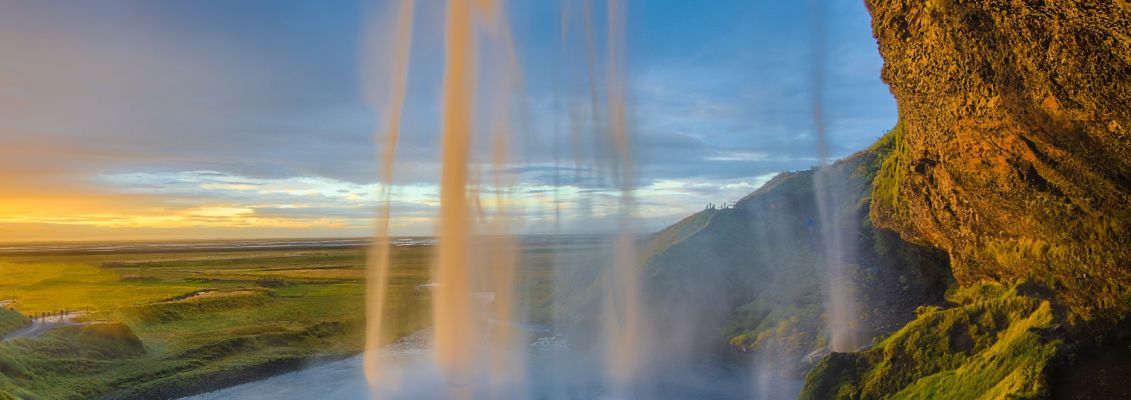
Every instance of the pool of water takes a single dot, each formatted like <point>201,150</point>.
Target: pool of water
<point>551,371</point>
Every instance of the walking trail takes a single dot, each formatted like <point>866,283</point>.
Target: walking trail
<point>41,326</point>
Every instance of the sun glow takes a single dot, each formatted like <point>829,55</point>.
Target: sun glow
<point>196,204</point>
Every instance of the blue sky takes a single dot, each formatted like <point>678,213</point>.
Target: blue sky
<point>179,119</point>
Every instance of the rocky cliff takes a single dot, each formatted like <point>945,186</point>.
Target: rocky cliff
<point>1015,149</point>
<point>1013,155</point>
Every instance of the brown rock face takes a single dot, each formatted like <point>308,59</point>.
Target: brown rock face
<point>1014,150</point>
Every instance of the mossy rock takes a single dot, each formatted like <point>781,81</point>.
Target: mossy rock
<point>992,348</point>
<point>1013,151</point>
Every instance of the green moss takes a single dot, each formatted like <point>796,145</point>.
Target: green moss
<point>977,292</point>
<point>985,349</point>
<point>891,164</point>
<point>835,377</point>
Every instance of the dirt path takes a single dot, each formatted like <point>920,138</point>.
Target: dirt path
<point>42,325</point>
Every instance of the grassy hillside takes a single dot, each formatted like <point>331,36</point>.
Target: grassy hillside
<point>11,320</point>
<point>31,367</point>
<point>751,276</point>
<point>995,347</point>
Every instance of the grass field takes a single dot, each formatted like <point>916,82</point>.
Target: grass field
<point>172,324</point>
<point>257,312</point>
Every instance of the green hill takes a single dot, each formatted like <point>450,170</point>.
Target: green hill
<point>751,275</point>
<point>11,320</point>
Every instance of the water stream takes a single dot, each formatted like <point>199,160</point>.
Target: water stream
<point>551,372</point>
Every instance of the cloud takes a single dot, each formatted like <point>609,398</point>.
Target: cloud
<point>168,118</point>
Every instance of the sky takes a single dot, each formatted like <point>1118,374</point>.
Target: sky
<point>164,119</point>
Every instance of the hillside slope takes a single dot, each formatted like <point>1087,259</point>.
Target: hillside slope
<point>751,275</point>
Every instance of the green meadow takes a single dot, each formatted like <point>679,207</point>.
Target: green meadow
<point>174,324</point>
<point>166,325</point>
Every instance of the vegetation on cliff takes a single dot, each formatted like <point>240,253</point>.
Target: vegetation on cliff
<point>1012,155</point>
<point>996,346</point>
